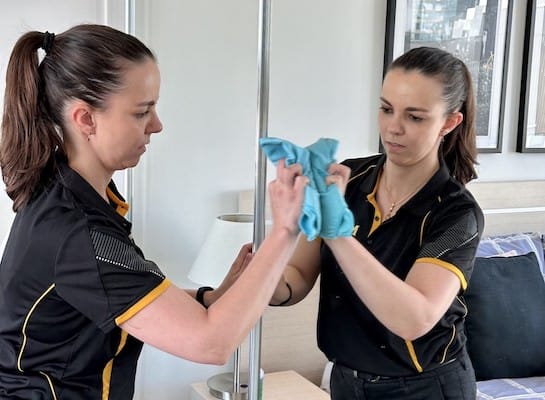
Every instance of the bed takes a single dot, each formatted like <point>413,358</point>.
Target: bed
<point>288,333</point>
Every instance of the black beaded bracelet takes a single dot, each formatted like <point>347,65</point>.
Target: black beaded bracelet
<point>200,294</point>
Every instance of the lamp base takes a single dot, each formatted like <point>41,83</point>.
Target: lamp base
<point>221,387</point>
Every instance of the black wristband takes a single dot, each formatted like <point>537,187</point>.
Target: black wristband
<point>287,300</point>
<point>200,294</point>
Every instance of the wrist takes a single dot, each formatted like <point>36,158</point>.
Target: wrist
<point>286,299</point>
<point>284,232</point>
<point>200,295</point>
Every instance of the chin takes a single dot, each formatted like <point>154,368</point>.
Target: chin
<point>130,164</point>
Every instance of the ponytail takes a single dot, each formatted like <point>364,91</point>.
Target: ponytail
<point>459,149</point>
<point>29,137</point>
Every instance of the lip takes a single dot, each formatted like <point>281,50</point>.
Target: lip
<point>394,146</point>
<point>143,148</point>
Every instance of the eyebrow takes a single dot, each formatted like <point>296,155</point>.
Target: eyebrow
<point>419,109</point>
<point>146,103</point>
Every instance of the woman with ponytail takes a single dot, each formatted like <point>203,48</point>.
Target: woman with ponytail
<point>391,314</point>
<point>77,296</point>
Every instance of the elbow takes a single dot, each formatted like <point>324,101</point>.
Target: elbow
<point>412,335</point>
<point>414,330</point>
<point>219,359</point>
<point>214,357</point>
<point>215,352</point>
<point>223,354</point>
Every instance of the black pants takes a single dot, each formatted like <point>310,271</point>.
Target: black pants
<point>453,381</point>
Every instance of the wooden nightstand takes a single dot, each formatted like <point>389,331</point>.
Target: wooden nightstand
<point>285,385</point>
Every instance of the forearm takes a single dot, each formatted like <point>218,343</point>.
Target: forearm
<point>399,306</point>
<point>236,311</point>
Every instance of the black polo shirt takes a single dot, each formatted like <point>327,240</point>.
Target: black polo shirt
<point>442,225</point>
<point>70,274</point>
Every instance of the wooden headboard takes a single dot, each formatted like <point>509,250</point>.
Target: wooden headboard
<point>288,339</point>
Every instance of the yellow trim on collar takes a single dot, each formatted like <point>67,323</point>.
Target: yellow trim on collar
<point>122,208</point>
<point>451,267</point>
<point>377,218</point>
<point>144,301</point>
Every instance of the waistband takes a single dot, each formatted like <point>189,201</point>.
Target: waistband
<point>440,369</point>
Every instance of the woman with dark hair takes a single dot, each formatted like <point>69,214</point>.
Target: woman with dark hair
<point>391,314</point>
<point>77,296</point>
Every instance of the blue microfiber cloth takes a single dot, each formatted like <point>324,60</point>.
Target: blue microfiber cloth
<point>324,212</point>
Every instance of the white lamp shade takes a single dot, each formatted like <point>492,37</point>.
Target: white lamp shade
<point>223,242</point>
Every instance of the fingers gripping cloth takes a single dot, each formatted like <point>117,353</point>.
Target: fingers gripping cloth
<point>324,212</point>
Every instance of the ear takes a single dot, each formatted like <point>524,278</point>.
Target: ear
<point>82,117</point>
<point>452,121</point>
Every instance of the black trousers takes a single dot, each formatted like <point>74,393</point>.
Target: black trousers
<point>452,381</point>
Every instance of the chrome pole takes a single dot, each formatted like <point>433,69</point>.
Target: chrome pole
<point>261,176</point>
<point>130,12</point>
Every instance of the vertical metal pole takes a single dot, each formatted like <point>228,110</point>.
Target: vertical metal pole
<point>261,176</point>
<point>236,370</point>
<point>130,12</point>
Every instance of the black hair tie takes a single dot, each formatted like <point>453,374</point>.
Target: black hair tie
<point>48,41</point>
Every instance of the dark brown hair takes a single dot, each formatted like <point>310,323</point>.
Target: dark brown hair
<point>459,149</point>
<point>86,62</point>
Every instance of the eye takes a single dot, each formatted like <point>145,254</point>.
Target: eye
<point>385,109</point>
<point>142,114</point>
<point>415,118</point>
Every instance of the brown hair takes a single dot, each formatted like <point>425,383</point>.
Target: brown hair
<point>86,62</point>
<point>459,149</point>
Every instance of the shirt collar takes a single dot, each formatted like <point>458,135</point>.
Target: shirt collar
<point>116,208</point>
<point>420,203</point>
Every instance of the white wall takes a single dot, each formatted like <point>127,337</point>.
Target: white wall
<point>326,68</point>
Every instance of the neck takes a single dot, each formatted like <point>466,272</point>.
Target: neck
<point>404,179</point>
<point>401,183</point>
<point>98,182</point>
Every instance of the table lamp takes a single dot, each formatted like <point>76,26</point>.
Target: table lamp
<point>221,246</point>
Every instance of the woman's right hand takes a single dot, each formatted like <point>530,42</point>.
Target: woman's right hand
<point>286,194</point>
<point>339,175</point>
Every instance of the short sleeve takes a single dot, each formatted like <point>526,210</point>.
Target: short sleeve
<point>450,239</point>
<point>103,274</point>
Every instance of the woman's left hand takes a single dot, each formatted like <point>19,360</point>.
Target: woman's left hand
<point>338,175</point>
<point>239,265</point>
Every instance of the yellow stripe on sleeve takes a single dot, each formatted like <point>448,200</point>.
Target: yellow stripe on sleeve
<point>452,268</point>
<point>143,302</point>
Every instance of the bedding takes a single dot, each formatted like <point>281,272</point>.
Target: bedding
<point>513,245</point>
<point>532,388</point>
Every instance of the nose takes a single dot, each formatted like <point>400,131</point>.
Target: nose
<point>154,125</point>
<point>394,125</point>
